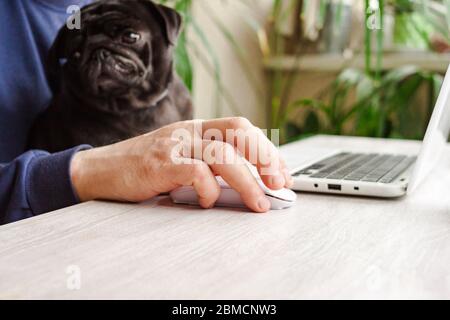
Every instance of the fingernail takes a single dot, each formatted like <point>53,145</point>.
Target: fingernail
<point>277,180</point>
<point>264,204</point>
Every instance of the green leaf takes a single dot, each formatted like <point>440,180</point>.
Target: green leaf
<point>183,63</point>
<point>350,76</point>
<point>399,74</point>
<point>312,123</point>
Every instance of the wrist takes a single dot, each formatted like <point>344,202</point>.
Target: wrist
<point>80,176</point>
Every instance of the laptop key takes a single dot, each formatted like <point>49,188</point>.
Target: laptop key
<point>357,167</point>
<point>333,167</point>
<point>384,168</point>
<point>371,179</point>
<point>316,166</point>
<point>351,167</point>
<point>366,168</point>
<point>302,172</point>
<point>401,167</point>
<point>354,177</point>
<point>320,175</point>
<point>320,165</point>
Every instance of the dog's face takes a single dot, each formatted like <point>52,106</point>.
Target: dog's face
<point>123,50</point>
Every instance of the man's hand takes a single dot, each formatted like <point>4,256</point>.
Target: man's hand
<point>158,162</point>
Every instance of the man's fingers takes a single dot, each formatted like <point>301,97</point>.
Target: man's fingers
<point>197,174</point>
<point>252,143</point>
<point>286,173</point>
<point>224,161</point>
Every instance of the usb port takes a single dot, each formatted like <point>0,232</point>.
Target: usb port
<point>335,187</point>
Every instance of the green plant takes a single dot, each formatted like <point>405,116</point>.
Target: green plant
<point>417,21</point>
<point>436,14</point>
<point>183,61</point>
<point>386,109</point>
<point>373,102</point>
<point>282,83</point>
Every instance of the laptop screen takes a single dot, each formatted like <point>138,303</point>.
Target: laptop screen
<point>436,136</point>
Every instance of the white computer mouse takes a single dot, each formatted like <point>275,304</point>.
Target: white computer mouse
<point>279,199</point>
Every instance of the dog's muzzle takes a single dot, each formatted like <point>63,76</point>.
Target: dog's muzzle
<point>113,71</point>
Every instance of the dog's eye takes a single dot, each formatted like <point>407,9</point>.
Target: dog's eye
<point>131,37</point>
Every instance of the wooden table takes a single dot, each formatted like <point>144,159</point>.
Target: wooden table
<point>324,247</point>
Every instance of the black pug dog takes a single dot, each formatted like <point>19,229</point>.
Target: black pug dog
<point>113,79</point>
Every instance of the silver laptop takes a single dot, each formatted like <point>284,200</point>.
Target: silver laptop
<point>379,175</point>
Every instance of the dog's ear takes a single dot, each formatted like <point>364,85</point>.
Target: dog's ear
<point>55,57</point>
<point>172,21</point>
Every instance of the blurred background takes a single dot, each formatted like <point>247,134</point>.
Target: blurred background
<point>346,67</point>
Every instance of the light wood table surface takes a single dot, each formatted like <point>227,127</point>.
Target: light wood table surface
<point>324,247</point>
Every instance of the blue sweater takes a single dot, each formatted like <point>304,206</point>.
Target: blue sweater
<point>31,182</point>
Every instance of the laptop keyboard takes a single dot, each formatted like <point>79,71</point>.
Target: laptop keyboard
<point>380,168</point>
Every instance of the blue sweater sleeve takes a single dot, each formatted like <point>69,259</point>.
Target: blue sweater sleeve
<point>36,182</point>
